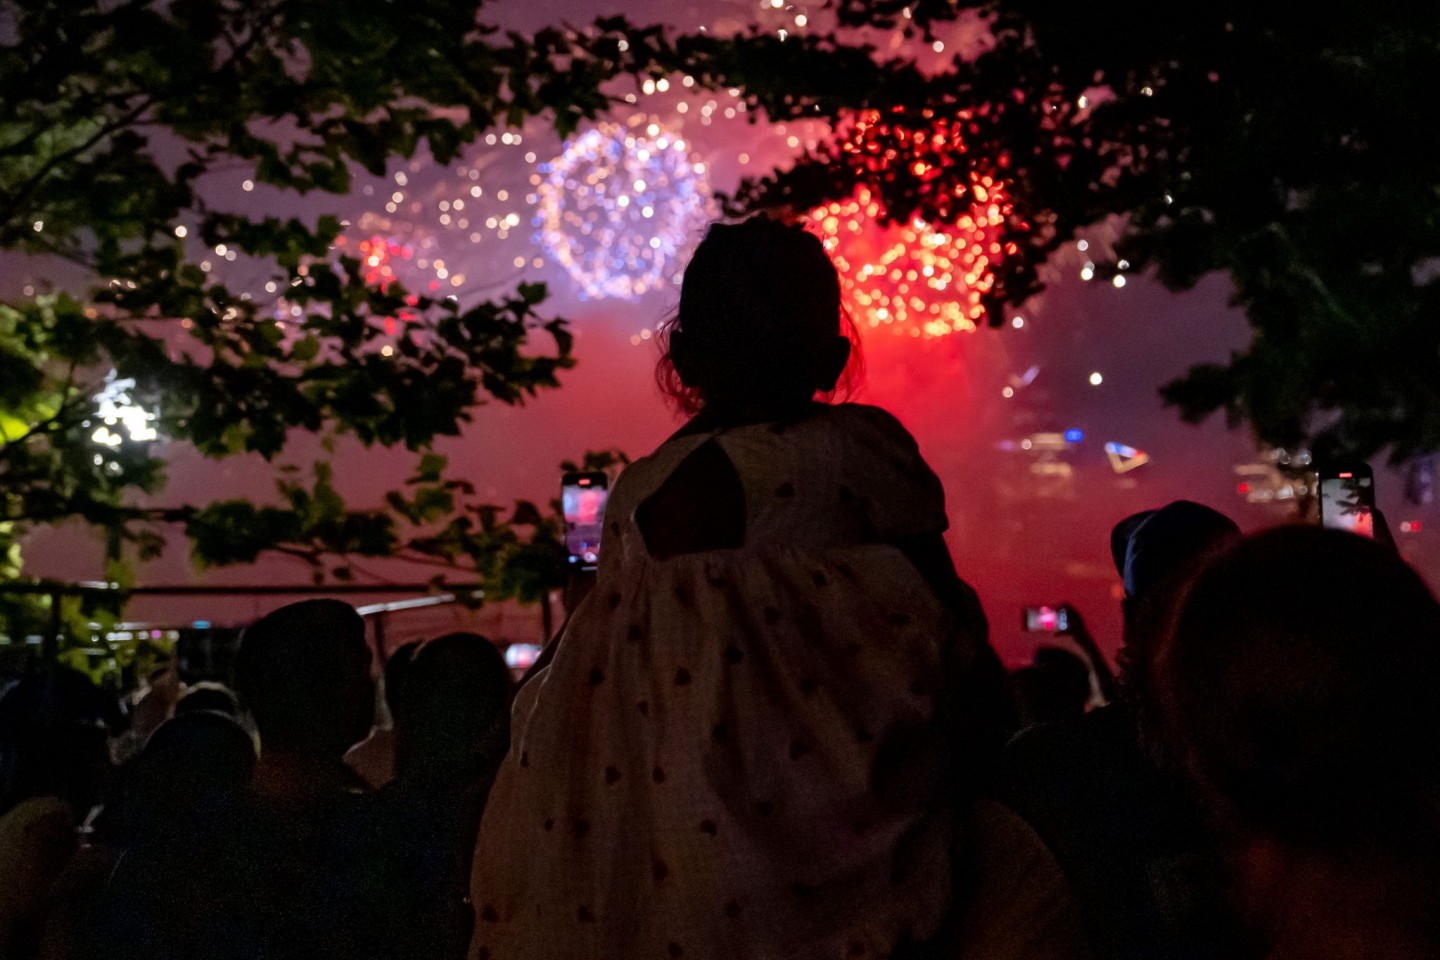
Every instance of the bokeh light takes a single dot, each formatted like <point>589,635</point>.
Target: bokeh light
<point>396,251</point>
<point>121,416</point>
<point>622,206</point>
<point>915,278</point>
<point>393,251</point>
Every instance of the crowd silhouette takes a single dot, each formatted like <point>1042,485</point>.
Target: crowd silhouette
<point>773,727</point>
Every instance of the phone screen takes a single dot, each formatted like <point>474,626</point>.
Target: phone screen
<point>583,497</point>
<point>522,656</point>
<point>1347,501</point>
<point>1046,620</point>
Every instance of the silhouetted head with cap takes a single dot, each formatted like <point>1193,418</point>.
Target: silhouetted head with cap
<point>760,330</point>
<point>303,672</point>
<point>1155,552</point>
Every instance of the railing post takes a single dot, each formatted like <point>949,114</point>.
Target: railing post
<point>50,643</point>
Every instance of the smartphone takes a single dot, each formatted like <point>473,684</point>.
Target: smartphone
<point>522,656</point>
<point>1347,499</point>
<point>582,498</point>
<point>1046,620</point>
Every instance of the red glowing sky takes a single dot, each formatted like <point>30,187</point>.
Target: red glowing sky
<point>1019,536</point>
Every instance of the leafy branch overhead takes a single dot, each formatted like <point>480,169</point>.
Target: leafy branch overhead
<point>104,160</point>
<point>518,553</point>
<point>1299,156</point>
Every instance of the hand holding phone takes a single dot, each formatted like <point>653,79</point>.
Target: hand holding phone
<point>1047,619</point>
<point>1347,499</point>
<point>1080,633</point>
<point>583,497</point>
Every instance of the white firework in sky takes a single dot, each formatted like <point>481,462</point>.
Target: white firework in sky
<point>622,206</point>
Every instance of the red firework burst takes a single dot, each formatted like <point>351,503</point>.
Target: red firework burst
<point>916,278</point>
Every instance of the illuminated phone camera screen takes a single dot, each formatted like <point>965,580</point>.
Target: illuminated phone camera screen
<point>1346,503</point>
<point>584,521</point>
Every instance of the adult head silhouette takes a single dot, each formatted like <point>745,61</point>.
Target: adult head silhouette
<point>303,672</point>
<point>190,770</point>
<point>1298,693</point>
<point>208,695</point>
<point>452,717</point>
<point>1054,687</point>
<point>394,674</point>
<point>172,886</point>
<point>53,738</point>
<point>452,729</point>
<point>54,760</point>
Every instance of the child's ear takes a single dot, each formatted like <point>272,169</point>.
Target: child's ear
<point>681,358</point>
<point>832,363</point>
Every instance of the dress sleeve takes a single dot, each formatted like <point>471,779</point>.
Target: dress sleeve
<point>636,482</point>
<point>900,493</point>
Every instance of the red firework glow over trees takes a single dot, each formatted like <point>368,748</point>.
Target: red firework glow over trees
<point>915,278</point>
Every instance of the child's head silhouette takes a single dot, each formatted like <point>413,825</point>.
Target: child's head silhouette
<point>760,329</point>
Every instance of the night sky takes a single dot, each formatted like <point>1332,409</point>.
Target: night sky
<point>1020,536</point>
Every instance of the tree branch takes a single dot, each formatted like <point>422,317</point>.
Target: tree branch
<point>48,425</point>
<point>11,208</point>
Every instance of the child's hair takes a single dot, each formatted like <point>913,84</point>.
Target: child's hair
<point>759,299</point>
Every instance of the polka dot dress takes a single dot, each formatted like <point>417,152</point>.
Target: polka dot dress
<point>736,753</point>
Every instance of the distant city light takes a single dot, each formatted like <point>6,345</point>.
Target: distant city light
<point>1124,458</point>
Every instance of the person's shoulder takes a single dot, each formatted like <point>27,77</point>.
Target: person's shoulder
<point>1044,741</point>
<point>866,420</point>
<point>37,838</point>
<point>1100,728</point>
<point>863,413</point>
<point>1099,748</point>
<point>645,471</point>
<point>37,816</point>
<point>681,440</point>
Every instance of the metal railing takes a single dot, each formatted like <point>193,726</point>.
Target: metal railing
<point>432,594</point>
